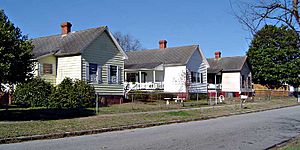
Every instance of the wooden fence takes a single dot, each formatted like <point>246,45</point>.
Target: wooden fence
<point>272,93</point>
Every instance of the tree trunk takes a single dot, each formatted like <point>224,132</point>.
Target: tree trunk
<point>295,10</point>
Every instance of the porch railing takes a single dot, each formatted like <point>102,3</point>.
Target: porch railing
<point>214,86</point>
<point>144,86</point>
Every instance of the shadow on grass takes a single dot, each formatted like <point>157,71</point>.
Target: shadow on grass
<point>21,114</point>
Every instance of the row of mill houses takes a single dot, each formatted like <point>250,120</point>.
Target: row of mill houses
<point>95,56</point>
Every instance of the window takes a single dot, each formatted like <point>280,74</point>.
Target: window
<point>47,69</point>
<point>195,77</point>
<point>94,73</point>
<point>198,77</point>
<point>114,74</point>
<point>201,77</point>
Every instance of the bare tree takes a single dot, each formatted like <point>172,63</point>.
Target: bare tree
<point>128,42</point>
<point>256,14</point>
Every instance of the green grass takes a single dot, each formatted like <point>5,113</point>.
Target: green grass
<point>36,127</point>
<point>178,113</point>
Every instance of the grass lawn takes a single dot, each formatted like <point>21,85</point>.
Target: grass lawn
<point>36,127</point>
<point>150,106</point>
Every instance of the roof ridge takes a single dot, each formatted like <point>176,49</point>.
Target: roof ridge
<point>151,50</point>
<point>70,32</point>
<point>229,56</point>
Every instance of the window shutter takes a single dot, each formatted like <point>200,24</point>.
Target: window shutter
<point>99,74</point>
<point>119,75</point>
<point>87,72</point>
<point>108,73</point>
<point>117,81</point>
<point>41,69</point>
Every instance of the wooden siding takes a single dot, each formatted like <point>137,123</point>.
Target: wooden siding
<point>68,66</point>
<point>47,77</point>
<point>196,64</point>
<point>104,52</point>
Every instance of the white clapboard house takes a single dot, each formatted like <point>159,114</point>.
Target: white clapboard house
<point>174,70</point>
<point>229,76</point>
<point>92,55</point>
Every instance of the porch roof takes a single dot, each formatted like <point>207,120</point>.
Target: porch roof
<point>143,65</point>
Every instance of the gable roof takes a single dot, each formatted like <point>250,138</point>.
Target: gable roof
<point>71,44</point>
<point>224,64</point>
<point>149,59</point>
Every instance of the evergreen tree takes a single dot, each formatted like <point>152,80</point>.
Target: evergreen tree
<point>275,57</point>
<point>16,63</point>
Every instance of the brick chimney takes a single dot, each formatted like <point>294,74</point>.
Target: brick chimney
<point>217,55</point>
<point>162,44</point>
<point>65,28</point>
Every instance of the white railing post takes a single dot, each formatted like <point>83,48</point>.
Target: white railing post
<point>153,76</point>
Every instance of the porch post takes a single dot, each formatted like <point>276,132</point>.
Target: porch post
<point>125,76</point>
<point>216,97</point>
<point>153,76</point>
<point>215,79</point>
<point>140,76</point>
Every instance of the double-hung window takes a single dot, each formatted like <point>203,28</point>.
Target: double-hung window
<point>114,74</point>
<point>196,78</point>
<point>45,69</point>
<point>93,73</point>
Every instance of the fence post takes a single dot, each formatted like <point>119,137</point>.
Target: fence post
<point>97,104</point>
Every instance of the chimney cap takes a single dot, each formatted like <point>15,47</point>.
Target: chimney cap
<point>162,41</point>
<point>68,24</point>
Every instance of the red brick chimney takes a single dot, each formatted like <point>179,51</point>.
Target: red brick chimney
<point>217,55</point>
<point>65,28</point>
<point>162,44</point>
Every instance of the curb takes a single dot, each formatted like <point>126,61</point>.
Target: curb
<point>283,143</point>
<point>102,130</point>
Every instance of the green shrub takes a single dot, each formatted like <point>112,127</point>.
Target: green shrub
<point>85,94</point>
<point>33,93</point>
<point>69,94</point>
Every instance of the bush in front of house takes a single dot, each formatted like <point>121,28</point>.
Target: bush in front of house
<point>33,93</point>
<point>71,94</point>
<point>85,94</point>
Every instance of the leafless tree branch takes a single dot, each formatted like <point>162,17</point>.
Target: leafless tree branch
<point>256,14</point>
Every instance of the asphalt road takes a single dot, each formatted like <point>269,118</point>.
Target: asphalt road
<point>249,131</point>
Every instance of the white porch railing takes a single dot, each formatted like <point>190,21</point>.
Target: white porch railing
<point>214,86</point>
<point>144,86</point>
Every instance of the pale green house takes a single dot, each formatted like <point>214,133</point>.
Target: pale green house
<point>92,55</point>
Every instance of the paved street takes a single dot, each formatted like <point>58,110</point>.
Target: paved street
<point>249,131</point>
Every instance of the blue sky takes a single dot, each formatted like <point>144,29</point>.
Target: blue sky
<point>209,24</point>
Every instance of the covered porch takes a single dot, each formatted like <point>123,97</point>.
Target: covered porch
<point>144,79</point>
<point>214,81</point>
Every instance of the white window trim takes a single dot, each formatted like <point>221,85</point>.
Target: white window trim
<point>98,73</point>
<point>118,75</point>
